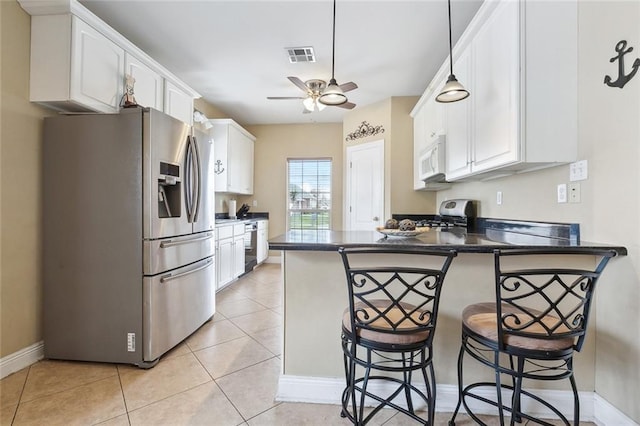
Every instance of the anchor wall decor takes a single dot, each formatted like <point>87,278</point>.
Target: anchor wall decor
<point>621,48</point>
<point>364,130</point>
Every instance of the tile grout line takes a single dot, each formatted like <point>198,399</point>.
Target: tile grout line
<point>24,385</point>
<point>124,399</point>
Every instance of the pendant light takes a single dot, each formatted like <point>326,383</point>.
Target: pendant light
<point>333,94</point>
<point>452,91</point>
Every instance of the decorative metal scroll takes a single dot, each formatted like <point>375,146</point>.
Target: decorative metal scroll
<point>621,48</point>
<point>364,130</point>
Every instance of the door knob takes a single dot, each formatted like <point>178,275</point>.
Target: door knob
<point>376,218</point>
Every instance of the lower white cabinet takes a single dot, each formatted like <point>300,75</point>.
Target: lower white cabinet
<point>238,254</point>
<point>229,253</point>
<point>262,241</point>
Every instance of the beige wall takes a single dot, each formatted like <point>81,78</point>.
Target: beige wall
<point>20,242</point>
<point>393,115</point>
<point>609,138</point>
<point>274,145</point>
<point>211,111</point>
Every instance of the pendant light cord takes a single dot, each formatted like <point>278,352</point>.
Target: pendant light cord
<point>450,42</point>
<point>333,50</point>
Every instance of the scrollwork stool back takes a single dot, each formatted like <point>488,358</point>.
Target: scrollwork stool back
<point>531,331</point>
<point>388,330</point>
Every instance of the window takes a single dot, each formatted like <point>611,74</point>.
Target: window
<point>309,184</point>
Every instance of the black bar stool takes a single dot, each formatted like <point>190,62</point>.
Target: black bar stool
<point>539,318</point>
<point>388,330</point>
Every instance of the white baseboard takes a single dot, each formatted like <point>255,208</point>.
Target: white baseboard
<point>329,391</point>
<point>606,414</point>
<point>21,359</point>
<point>273,259</point>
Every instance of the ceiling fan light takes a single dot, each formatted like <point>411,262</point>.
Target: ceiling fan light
<point>308,104</point>
<point>333,94</point>
<point>320,105</point>
<point>452,91</point>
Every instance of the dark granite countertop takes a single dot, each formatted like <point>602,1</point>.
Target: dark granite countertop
<point>479,241</point>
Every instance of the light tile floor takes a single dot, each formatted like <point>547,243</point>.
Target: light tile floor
<point>226,373</point>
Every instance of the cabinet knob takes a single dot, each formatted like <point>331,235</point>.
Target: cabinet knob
<point>376,218</point>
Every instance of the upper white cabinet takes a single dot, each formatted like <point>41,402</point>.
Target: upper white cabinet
<point>78,63</point>
<point>233,153</point>
<point>148,86</point>
<point>458,142</point>
<point>177,103</point>
<point>73,65</point>
<point>428,123</point>
<point>519,61</point>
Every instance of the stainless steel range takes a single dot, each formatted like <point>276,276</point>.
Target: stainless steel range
<point>457,213</point>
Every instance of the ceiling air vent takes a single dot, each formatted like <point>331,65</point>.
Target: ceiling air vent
<point>301,54</point>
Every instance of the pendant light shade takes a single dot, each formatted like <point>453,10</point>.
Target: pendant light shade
<point>333,94</point>
<point>452,91</point>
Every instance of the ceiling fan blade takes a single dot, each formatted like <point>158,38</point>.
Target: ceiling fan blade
<point>299,83</point>
<point>285,97</point>
<point>346,87</point>
<point>347,105</point>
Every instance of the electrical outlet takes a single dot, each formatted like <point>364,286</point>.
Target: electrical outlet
<point>562,193</point>
<point>255,203</point>
<point>499,198</point>
<point>574,192</point>
<point>578,171</point>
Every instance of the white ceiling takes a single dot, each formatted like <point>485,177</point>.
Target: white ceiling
<point>233,52</point>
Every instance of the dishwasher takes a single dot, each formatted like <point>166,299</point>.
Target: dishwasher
<point>250,245</point>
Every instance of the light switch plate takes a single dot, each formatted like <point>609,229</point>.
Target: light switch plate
<point>562,193</point>
<point>578,170</point>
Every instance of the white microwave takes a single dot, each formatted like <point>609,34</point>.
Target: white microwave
<point>431,162</point>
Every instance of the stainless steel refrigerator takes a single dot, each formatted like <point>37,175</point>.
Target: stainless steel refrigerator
<point>128,217</point>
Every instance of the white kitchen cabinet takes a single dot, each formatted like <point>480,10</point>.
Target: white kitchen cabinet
<point>428,124</point>
<point>177,103</point>
<point>458,143</point>
<point>224,256</point>
<point>229,253</point>
<point>73,66</point>
<point>233,153</point>
<point>262,241</point>
<point>519,62</point>
<point>78,64</point>
<point>148,86</point>
<point>238,254</point>
<point>496,72</point>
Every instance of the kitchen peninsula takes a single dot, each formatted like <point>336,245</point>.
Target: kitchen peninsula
<point>315,296</point>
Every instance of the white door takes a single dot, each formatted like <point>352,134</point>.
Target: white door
<point>365,186</point>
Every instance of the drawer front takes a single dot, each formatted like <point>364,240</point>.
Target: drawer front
<point>175,305</point>
<point>170,253</point>
<point>225,232</point>
<point>238,229</point>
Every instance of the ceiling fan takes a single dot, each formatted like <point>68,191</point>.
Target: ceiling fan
<point>314,89</point>
<point>319,94</point>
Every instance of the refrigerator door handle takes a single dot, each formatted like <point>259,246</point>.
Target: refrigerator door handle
<point>170,277</point>
<point>169,243</point>
<point>188,195</point>
<point>197,192</point>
